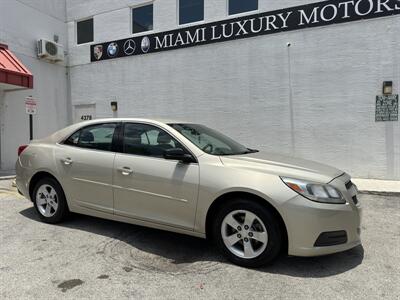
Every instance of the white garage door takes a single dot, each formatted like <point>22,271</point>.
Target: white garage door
<point>84,112</point>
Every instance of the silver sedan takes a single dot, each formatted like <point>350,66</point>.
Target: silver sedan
<point>191,179</point>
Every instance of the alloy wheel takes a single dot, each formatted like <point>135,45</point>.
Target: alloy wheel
<point>244,234</point>
<point>47,200</point>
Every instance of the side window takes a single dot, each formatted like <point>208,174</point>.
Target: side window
<point>73,139</point>
<point>147,140</point>
<point>98,137</point>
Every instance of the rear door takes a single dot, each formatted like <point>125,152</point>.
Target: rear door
<point>149,187</point>
<point>85,161</point>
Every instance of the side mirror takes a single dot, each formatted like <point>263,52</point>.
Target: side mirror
<point>178,154</point>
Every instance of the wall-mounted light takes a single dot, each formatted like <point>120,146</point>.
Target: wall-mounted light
<point>114,105</point>
<point>387,87</point>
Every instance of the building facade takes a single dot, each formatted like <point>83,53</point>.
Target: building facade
<point>304,85</point>
<point>22,23</point>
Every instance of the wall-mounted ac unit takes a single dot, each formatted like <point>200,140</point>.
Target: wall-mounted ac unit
<point>50,50</point>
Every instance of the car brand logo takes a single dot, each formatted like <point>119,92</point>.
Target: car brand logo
<point>112,49</point>
<point>145,45</point>
<point>98,51</point>
<point>129,47</point>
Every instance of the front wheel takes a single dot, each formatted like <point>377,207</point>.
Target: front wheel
<point>49,201</point>
<point>247,233</point>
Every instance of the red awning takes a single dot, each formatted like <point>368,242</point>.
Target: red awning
<point>13,74</point>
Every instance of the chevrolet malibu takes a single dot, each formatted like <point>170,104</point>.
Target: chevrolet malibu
<point>190,179</point>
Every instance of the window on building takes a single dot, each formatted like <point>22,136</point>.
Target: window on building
<point>191,11</point>
<point>142,18</point>
<point>84,31</point>
<point>240,6</point>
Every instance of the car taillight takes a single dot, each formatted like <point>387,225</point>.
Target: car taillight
<point>21,149</point>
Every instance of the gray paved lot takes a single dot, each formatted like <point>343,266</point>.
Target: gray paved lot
<point>92,258</point>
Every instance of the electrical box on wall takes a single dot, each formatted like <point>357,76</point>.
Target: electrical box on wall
<point>50,51</point>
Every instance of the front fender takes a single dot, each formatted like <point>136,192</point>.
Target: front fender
<point>216,181</point>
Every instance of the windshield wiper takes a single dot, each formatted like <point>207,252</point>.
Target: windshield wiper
<point>251,151</point>
<point>248,151</point>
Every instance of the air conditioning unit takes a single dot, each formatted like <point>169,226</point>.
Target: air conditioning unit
<point>50,51</point>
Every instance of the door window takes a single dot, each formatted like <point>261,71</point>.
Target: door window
<point>98,137</point>
<point>147,140</point>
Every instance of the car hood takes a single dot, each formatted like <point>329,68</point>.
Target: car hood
<point>282,165</point>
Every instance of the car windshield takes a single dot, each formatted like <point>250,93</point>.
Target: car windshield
<point>211,141</point>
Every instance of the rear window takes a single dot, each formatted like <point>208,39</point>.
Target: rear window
<point>97,137</point>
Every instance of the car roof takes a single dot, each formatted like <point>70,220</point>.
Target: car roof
<point>63,133</point>
<point>150,120</point>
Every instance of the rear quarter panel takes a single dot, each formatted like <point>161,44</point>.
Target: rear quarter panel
<point>38,157</point>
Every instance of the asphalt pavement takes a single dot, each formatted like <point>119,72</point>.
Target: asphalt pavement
<point>92,258</point>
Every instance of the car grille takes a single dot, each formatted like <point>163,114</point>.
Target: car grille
<point>348,185</point>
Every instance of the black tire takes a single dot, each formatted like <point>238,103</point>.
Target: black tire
<point>62,210</point>
<point>274,244</point>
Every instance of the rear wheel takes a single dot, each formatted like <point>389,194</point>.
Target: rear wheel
<point>49,201</point>
<point>247,233</point>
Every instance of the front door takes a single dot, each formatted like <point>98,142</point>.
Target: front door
<point>85,161</point>
<point>149,187</point>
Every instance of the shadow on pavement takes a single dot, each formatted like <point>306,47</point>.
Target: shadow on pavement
<point>176,249</point>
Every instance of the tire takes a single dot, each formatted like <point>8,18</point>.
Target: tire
<point>49,201</point>
<point>248,246</point>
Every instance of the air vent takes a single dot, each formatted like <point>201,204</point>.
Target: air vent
<point>51,48</point>
<point>50,51</point>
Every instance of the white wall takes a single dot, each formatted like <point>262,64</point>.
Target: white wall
<point>21,24</point>
<point>242,87</point>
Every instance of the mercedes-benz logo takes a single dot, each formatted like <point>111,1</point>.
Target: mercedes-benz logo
<point>129,47</point>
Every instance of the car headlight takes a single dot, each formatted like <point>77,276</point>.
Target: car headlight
<point>324,193</point>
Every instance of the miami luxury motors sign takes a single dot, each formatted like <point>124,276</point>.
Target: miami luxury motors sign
<point>294,18</point>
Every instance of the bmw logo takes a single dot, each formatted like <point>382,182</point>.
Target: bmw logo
<point>145,45</point>
<point>112,49</point>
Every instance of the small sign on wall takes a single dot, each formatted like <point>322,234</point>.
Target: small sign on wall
<point>30,105</point>
<point>387,108</point>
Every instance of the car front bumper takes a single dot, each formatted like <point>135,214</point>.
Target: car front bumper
<point>307,220</point>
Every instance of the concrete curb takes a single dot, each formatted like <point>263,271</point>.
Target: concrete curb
<point>380,193</point>
<point>7,177</point>
<point>377,187</point>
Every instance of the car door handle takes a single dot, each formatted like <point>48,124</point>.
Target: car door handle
<point>125,171</point>
<point>67,161</point>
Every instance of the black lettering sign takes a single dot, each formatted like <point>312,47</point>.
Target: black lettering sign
<point>387,108</point>
<point>295,18</point>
